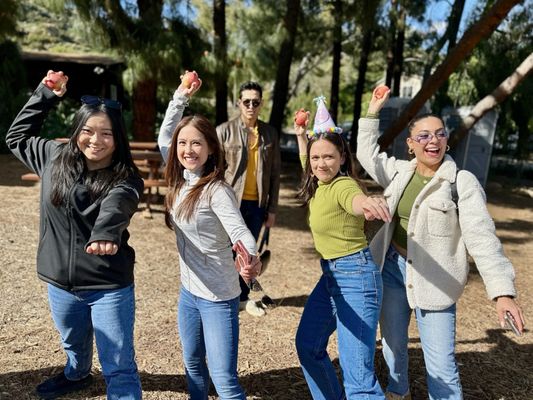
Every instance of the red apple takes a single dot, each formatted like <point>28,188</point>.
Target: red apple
<point>380,91</point>
<point>55,80</point>
<point>189,78</point>
<point>300,117</point>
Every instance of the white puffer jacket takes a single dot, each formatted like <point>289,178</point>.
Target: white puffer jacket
<point>438,235</point>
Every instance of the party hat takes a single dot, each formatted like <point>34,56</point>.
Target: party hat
<point>323,121</point>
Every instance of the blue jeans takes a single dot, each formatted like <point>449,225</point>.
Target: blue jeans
<point>210,329</point>
<point>347,298</point>
<point>254,218</point>
<point>110,315</point>
<point>437,336</point>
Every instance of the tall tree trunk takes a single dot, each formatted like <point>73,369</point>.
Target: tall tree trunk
<point>496,97</point>
<point>221,72</point>
<point>281,87</point>
<point>336,67</point>
<point>480,30</point>
<point>450,36</point>
<point>360,85</point>
<point>398,52</point>
<point>144,96</point>
<point>145,90</point>
<point>393,21</point>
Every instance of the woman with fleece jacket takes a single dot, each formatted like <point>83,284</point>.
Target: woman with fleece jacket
<point>423,252</point>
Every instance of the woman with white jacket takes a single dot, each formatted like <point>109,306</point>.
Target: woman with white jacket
<point>423,251</point>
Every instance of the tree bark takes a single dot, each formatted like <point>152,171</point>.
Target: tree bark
<point>336,67</point>
<point>489,102</point>
<point>144,96</point>
<point>393,20</point>
<point>480,30</point>
<point>281,87</point>
<point>398,52</point>
<point>360,85</point>
<point>221,72</point>
<point>450,36</point>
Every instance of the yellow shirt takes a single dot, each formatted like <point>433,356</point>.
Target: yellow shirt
<point>250,183</point>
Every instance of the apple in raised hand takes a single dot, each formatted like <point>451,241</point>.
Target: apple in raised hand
<point>189,78</point>
<point>55,80</point>
<point>300,117</point>
<point>380,91</point>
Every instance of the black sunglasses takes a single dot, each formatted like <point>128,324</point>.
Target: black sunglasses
<point>254,103</point>
<point>96,101</point>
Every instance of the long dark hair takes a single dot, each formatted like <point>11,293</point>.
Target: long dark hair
<point>70,166</point>
<point>213,169</point>
<point>310,182</point>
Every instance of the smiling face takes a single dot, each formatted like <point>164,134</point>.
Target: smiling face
<point>427,141</point>
<point>325,160</point>
<point>250,105</point>
<point>96,141</point>
<point>192,148</point>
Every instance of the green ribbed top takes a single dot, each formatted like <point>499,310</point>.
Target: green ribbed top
<point>403,211</point>
<point>336,231</point>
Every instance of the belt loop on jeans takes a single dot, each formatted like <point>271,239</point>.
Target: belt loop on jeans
<point>362,255</point>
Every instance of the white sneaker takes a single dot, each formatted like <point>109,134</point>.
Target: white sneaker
<point>252,308</point>
<point>394,396</point>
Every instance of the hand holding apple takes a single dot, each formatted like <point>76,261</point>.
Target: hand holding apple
<point>56,81</point>
<point>379,96</point>
<point>380,91</point>
<point>300,117</point>
<point>190,83</point>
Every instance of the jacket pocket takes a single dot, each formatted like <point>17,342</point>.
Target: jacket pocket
<point>442,217</point>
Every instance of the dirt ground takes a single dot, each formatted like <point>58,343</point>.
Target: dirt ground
<point>494,364</point>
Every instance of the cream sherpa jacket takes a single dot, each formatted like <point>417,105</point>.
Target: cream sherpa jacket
<point>438,236</point>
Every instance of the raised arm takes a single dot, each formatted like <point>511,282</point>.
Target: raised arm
<point>378,165</point>
<point>22,137</point>
<point>174,113</point>
<point>300,128</point>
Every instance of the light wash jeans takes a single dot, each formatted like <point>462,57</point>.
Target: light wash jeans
<point>437,335</point>
<point>110,315</point>
<point>346,298</point>
<point>210,329</point>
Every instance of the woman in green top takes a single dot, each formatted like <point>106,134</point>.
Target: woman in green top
<point>347,298</point>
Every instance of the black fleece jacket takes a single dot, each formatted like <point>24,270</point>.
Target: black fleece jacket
<point>65,231</point>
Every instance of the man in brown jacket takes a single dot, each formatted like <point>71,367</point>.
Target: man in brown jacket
<point>252,153</point>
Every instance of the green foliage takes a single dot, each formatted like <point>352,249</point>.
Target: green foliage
<point>9,12</point>
<point>493,61</point>
<point>58,123</point>
<point>12,88</point>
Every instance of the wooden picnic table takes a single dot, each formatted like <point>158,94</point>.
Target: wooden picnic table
<point>147,157</point>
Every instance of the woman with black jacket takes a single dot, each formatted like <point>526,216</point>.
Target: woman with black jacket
<point>90,189</point>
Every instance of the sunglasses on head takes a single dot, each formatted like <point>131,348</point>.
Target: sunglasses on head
<point>424,137</point>
<point>96,101</point>
<point>255,103</point>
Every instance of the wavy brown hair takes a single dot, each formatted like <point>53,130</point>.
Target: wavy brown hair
<point>213,169</point>
<point>310,182</point>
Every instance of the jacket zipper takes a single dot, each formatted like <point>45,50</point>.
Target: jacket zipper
<point>71,240</point>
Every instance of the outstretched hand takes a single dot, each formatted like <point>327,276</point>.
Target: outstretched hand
<point>56,82</point>
<point>380,95</point>
<point>102,248</point>
<point>375,207</point>
<point>190,83</point>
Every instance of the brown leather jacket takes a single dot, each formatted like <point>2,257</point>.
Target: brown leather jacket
<point>233,136</point>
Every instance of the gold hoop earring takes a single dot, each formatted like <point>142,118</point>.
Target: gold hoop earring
<point>447,147</point>
<point>411,151</point>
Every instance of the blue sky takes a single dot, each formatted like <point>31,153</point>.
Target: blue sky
<point>438,13</point>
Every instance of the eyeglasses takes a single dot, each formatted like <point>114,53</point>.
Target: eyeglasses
<point>96,101</point>
<point>254,103</point>
<point>424,137</point>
